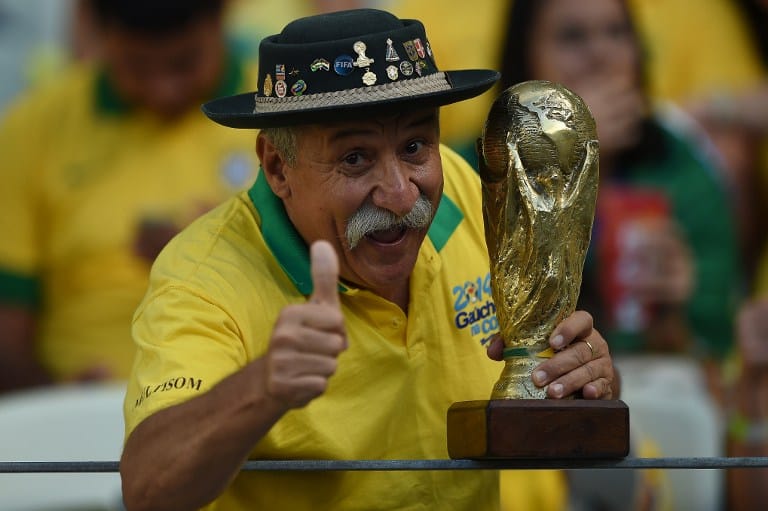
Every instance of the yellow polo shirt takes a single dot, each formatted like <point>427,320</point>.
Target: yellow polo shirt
<point>215,293</point>
<point>80,171</point>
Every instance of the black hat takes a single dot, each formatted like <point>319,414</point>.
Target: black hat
<point>345,64</point>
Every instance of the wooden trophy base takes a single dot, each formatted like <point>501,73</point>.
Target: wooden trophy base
<point>538,428</point>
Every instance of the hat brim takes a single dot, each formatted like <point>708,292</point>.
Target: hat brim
<point>237,111</point>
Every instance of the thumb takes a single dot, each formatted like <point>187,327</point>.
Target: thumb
<point>325,273</point>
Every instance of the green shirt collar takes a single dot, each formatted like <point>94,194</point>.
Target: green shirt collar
<point>109,102</point>
<point>291,251</point>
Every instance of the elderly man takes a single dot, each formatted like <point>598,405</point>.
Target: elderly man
<point>340,306</point>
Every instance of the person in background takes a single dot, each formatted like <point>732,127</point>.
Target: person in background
<point>100,169</point>
<point>737,120</point>
<point>663,268</point>
<point>465,34</point>
<point>748,406</point>
<point>711,61</point>
<point>322,314</point>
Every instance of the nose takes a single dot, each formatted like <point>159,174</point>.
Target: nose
<point>394,189</point>
<point>606,51</point>
<point>165,93</point>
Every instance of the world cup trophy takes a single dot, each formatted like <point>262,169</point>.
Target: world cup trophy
<point>539,166</point>
<point>539,170</point>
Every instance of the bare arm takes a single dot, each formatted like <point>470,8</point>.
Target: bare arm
<point>748,430</point>
<point>19,367</point>
<point>184,456</point>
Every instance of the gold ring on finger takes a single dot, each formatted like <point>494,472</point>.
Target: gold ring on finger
<point>591,348</point>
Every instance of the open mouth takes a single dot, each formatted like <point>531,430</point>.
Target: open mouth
<point>387,236</point>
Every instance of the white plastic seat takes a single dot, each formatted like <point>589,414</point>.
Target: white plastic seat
<point>63,423</point>
<point>669,403</point>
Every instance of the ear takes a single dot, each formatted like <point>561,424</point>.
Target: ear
<point>273,166</point>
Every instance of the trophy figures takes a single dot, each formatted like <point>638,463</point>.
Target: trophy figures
<point>539,167</point>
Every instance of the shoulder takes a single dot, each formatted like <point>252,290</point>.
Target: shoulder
<point>461,181</point>
<point>222,258</point>
<point>688,154</point>
<point>458,224</point>
<point>207,258</point>
<point>216,239</point>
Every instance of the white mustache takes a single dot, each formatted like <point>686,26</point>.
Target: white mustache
<point>370,218</point>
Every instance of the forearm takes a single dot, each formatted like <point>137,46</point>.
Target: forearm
<point>19,367</point>
<point>748,436</point>
<point>183,457</point>
<point>669,331</point>
<point>19,371</point>
<point>747,488</point>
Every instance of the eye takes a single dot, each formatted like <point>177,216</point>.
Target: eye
<point>572,35</point>
<point>353,159</point>
<point>355,163</point>
<point>619,32</point>
<point>414,146</point>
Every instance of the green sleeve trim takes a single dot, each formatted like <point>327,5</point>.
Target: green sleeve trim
<point>107,99</point>
<point>19,289</point>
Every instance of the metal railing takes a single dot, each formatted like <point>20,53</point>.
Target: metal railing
<point>17,467</point>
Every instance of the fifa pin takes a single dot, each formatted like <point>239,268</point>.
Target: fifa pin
<point>343,65</point>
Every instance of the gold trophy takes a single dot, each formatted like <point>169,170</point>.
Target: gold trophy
<point>538,163</point>
<point>539,167</point>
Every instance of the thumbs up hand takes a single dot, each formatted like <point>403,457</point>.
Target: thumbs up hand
<point>325,274</point>
<point>308,337</point>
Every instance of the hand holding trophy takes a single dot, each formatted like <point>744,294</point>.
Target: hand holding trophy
<point>539,168</point>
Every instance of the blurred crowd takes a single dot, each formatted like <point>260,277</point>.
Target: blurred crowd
<point>106,156</point>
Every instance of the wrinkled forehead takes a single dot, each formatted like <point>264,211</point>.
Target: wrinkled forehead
<point>404,119</point>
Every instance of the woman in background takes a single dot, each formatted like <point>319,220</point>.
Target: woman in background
<point>663,265</point>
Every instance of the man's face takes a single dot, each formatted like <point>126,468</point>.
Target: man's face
<point>380,165</point>
<point>165,74</point>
